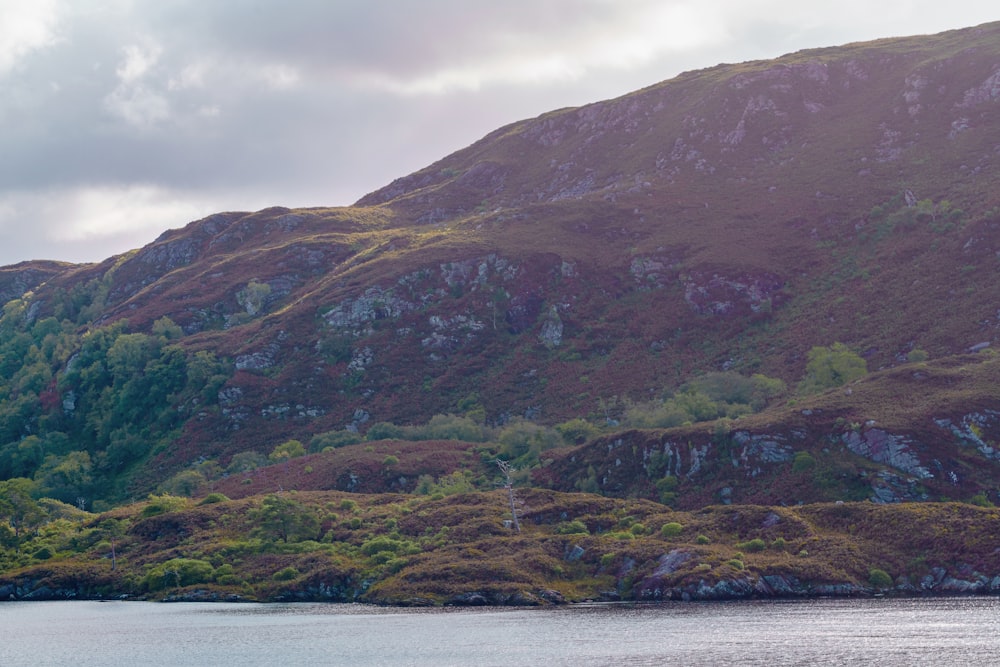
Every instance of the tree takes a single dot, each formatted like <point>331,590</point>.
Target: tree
<point>18,508</point>
<point>830,367</point>
<point>285,519</point>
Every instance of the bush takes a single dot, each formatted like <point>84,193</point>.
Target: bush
<point>450,427</point>
<point>245,462</point>
<point>702,539</point>
<point>178,572</point>
<point>672,529</point>
<point>384,431</point>
<point>576,431</point>
<point>879,578</point>
<point>756,544</point>
<point>572,528</point>
<point>333,440</point>
<point>735,563</point>
<point>830,367</point>
<point>666,488</point>
<point>803,461</point>
<point>289,449</point>
<point>213,498</point>
<point>163,504</point>
<point>285,574</point>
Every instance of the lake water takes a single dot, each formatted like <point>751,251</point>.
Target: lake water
<point>949,631</point>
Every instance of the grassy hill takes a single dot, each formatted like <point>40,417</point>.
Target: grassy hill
<point>767,283</point>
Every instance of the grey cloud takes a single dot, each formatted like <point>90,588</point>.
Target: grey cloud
<point>247,103</point>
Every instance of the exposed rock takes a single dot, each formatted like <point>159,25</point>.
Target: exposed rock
<point>882,447</point>
<point>552,329</point>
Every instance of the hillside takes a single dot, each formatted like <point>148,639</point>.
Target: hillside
<point>573,266</point>
<point>420,551</point>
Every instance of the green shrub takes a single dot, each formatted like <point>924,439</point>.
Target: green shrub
<point>289,449</point>
<point>778,543</point>
<point>573,527</point>
<point>672,529</point>
<point>879,578</point>
<point>245,462</point>
<point>333,440</point>
<point>576,431</point>
<point>163,504</point>
<point>285,574</point>
<point>735,563</point>
<point>384,431</point>
<point>637,529</point>
<point>702,539</point>
<point>830,367</point>
<point>981,499</point>
<point>213,498</point>
<point>178,572</point>
<point>666,489</point>
<point>803,461</point>
<point>390,461</point>
<point>756,544</point>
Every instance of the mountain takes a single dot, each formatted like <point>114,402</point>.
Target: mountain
<point>577,265</point>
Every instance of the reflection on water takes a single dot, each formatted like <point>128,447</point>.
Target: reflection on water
<point>954,631</point>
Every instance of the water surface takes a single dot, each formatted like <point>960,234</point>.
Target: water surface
<point>951,631</point>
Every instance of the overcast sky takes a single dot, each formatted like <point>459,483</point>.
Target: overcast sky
<point>120,119</point>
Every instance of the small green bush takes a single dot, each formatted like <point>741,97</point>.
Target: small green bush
<point>756,544</point>
<point>213,498</point>
<point>702,539</point>
<point>573,527</point>
<point>290,449</point>
<point>735,563</point>
<point>803,461</point>
<point>879,578</point>
<point>285,574</point>
<point>163,504</point>
<point>672,529</point>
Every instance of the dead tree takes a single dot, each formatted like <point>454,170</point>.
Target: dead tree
<point>506,469</point>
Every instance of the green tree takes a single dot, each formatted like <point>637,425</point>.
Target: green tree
<point>285,519</point>
<point>18,507</point>
<point>830,367</point>
<point>67,478</point>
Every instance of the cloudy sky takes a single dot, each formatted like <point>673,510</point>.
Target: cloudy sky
<point>122,118</point>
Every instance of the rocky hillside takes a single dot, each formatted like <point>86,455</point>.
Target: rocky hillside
<point>568,266</point>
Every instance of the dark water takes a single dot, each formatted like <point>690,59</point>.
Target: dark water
<point>948,631</point>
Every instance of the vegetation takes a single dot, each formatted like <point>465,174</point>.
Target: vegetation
<point>660,353</point>
<point>421,549</point>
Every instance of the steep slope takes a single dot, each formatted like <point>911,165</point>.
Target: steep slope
<point>730,218</point>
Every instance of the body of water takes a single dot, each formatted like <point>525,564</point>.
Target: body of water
<point>943,631</point>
